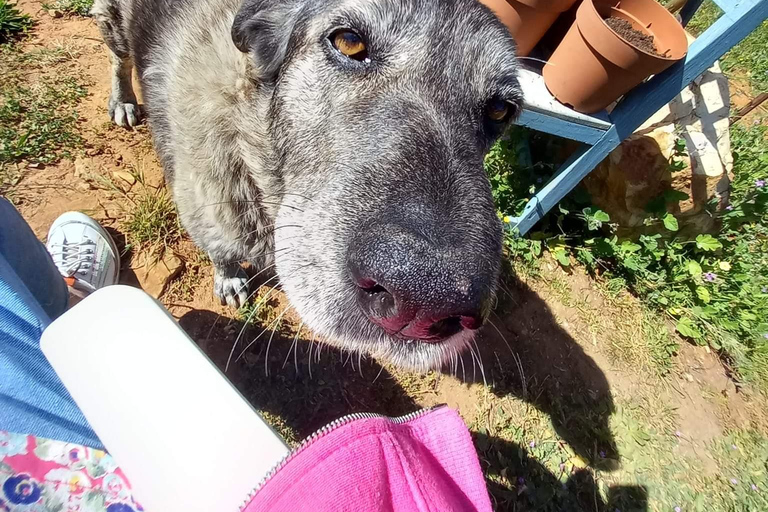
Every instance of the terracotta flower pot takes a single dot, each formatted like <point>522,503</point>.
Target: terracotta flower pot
<point>528,20</point>
<point>593,66</point>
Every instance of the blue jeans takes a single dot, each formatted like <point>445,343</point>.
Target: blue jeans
<point>32,293</point>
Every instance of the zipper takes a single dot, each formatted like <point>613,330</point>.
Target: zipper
<point>344,420</point>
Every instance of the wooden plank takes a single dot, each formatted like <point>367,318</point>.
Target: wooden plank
<point>724,34</point>
<point>749,107</point>
<point>726,5</point>
<point>571,173</point>
<point>537,98</point>
<point>562,128</point>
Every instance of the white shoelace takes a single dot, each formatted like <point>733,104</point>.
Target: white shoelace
<point>76,257</point>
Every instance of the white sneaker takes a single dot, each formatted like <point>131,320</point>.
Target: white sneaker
<point>83,252</point>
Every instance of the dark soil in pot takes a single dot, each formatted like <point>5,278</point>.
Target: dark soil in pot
<point>634,37</point>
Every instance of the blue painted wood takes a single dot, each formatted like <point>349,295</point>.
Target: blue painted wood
<point>571,173</point>
<point>740,19</point>
<point>560,127</point>
<point>725,5</point>
<point>724,34</point>
<point>687,12</point>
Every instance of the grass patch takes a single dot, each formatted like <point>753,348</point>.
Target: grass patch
<point>71,7</point>
<point>38,123</point>
<point>38,117</point>
<point>152,221</point>
<point>749,57</point>
<point>13,22</point>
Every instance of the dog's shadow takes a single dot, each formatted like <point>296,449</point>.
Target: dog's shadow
<point>525,353</point>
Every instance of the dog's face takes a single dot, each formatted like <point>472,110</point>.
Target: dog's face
<point>387,241</point>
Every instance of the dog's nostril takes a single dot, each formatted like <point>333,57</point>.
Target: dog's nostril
<point>375,289</point>
<point>370,286</point>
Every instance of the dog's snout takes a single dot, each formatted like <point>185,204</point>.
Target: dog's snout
<point>415,289</point>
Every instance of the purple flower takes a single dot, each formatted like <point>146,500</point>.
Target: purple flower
<point>759,183</point>
<point>678,509</point>
<point>754,487</point>
<point>120,507</point>
<point>710,277</point>
<point>734,447</point>
<point>520,480</point>
<point>532,444</point>
<point>602,454</point>
<point>22,489</point>
<point>729,207</point>
<point>678,433</point>
<point>765,335</point>
<point>734,481</point>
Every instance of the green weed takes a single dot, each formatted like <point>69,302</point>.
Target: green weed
<point>72,7</point>
<point>38,122</point>
<point>749,57</point>
<point>152,221</point>
<point>13,22</point>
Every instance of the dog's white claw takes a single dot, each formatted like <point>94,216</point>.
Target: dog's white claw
<point>232,291</point>
<point>124,112</point>
<point>126,115</point>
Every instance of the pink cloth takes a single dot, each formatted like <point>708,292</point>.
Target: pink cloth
<point>427,464</point>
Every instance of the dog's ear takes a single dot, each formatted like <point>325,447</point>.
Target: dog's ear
<point>263,28</point>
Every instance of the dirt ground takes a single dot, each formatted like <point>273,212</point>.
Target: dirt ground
<point>565,400</point>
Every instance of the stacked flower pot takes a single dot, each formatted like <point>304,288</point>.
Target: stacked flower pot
<point>611,47</point>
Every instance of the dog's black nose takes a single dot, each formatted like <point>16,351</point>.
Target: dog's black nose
<point>417,289</point>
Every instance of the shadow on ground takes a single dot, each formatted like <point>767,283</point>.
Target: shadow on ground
<point>528,355</point>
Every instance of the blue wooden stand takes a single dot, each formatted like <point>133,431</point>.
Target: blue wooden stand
<point>602,133</point>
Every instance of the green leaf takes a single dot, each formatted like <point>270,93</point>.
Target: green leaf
<point>708,243</point>
<point>657,205</point>
<point>670,222</point>
<point>562,257</point>
<point>602,216</point>
<point>536,248</point>
<point>693,268</point>
<point>674,196</point>
<point>703,294</point>
<point>686,327</point>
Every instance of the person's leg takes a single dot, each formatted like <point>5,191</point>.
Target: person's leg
<point>32,293</point>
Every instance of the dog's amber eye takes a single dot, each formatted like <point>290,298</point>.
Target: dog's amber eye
<point>350,44</point>
<point>498,110</point>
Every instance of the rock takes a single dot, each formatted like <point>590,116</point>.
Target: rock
<point>126,176</point>
<point>119,160</point>
<point>55,13</point>
<point>154,275</point>
<point>650,166</point>
<point>94,151</point>
<point>82,168</point>
<point>83,186</point>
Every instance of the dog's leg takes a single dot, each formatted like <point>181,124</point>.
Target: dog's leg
<point>230,284</point>
<point>123,108</point>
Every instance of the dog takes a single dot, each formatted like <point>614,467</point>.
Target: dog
<point>338,143</point>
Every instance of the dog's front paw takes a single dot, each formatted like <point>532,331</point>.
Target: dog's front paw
<point>231,289</point>
<point>125,114</point>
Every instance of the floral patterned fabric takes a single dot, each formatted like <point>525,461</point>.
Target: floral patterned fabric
<point>42,475</point>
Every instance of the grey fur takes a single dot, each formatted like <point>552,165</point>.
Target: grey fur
<point>284,153</point>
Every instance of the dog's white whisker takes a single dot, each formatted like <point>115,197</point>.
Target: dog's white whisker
<point>269,343</point>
